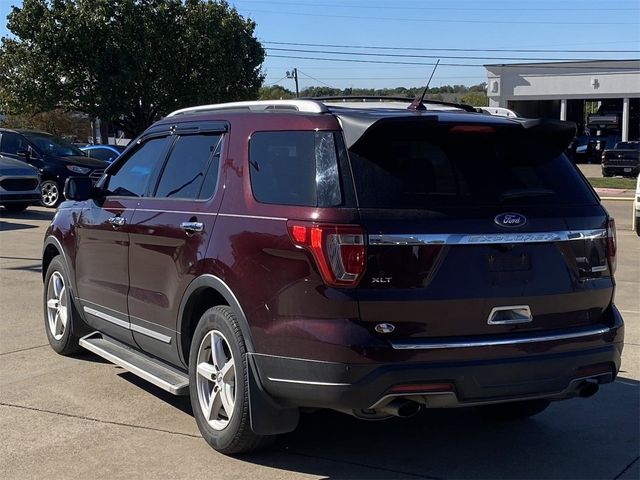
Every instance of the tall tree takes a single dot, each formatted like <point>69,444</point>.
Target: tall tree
<point>127,61</point>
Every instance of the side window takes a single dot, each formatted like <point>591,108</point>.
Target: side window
<point>12,143</point>
<point>138,174</point>
<point>295,168</point>
<point>191,162</point>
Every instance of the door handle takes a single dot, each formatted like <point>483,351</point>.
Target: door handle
<point>192,227</point>
<point>117,221</point>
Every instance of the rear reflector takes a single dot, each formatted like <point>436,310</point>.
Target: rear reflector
<point>422,388</point>
<point>338,250</point>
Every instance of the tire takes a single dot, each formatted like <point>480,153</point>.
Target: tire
<point>59,310</point>
<point>50,194</point>
<point>16,207</point>
<point>228,434</point>
<point>607,174</point>
<point>505,412</point>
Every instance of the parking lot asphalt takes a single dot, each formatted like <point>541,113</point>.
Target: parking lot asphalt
<point>81,417</point>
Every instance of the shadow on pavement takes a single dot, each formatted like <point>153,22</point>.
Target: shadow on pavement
<point>590,438</point>
<point>8,226</point>
<point>579,438</point>
<point>29,214</point>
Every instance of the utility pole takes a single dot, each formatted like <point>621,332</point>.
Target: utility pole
<point>294,75</point>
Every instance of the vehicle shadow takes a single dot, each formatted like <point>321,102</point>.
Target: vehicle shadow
<point>579,438</point>
<point>8,226</point>
<point>31,213</point>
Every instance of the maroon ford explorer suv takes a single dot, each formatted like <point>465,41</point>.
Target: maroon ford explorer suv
<point>264,257</point>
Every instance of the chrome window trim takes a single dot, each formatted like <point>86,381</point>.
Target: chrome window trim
<point>416,345</point>
<point>485,238</point>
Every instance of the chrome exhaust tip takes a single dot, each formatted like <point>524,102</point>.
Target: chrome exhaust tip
<point>400,408</point>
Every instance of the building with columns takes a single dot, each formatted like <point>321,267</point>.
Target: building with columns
<point>600,96</point>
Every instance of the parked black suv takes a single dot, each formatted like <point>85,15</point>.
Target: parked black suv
<point>55,158</point>
<point>370,258</point>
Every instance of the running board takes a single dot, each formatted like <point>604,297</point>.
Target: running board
<point>144,366</point>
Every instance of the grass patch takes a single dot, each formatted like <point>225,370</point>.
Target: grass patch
<point>628,183</point>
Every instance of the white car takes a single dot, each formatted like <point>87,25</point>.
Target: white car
<point>636,206</point>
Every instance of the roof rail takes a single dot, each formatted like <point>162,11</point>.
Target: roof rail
<point>306,105</point>
<point>373,99</point>
<point>362,98</point>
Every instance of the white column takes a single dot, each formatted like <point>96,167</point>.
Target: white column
<point>563,109</point>
<point>625,119</point>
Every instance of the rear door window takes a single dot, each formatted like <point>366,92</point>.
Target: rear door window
<point>295,168</point>
<point>192,168</point>
<point>442,168</point>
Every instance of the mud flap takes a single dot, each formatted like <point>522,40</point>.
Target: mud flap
<point>267,417</point>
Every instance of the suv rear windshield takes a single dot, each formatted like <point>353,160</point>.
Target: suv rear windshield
<point>462,166</point>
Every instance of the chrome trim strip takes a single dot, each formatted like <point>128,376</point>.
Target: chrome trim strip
<point>104,316</point>
<point>485,238</point>
<point>304,382</point>
<point>124,324</point>
<point>150,333</point>
<point>497,342</point>
<point>257,217</point>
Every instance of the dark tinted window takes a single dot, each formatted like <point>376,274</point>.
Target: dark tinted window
<point>12,143</point>
<point>104,154</point>
<point>184,174</point>
<point>52,145</point>
<point>295,168</point>
<point>138,174</point>
<point>440,168</point>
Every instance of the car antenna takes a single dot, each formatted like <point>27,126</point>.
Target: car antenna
<point>417,103</point>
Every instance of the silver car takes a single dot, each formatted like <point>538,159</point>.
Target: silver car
<point>19,184</point>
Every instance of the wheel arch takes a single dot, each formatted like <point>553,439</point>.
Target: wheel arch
<point>204,292</point>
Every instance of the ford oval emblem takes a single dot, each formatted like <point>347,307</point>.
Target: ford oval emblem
<point>510,220</point>
<point>384,328</point>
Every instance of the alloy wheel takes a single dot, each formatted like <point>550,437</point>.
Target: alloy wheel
<point>50,193</point>
<point>57,313</point>
<point>216,379</point>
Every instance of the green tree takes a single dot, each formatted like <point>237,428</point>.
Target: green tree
<point>275,92</point>
<point>58,122</point>
<point>127,61</point>
<point>475,99</point>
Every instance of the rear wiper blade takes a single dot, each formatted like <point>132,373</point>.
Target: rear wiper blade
<point>525,192</point>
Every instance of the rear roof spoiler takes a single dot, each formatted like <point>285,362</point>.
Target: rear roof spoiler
<point>358,128</point>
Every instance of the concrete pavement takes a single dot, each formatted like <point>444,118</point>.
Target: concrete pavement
<point>84,418</point>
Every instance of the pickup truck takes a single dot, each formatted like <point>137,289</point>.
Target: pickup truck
<point>623,159</point>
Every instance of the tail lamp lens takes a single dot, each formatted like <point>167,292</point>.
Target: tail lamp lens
<point>338,250</point>
<point>612,245</point>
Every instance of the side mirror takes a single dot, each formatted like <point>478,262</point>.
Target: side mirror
<point>79,188</point>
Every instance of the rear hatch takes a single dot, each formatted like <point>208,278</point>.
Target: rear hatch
<point>477,229</point>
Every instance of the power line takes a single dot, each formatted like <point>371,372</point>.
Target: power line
<point>394,62</point>
<point>316,79</point>
<point>403,55</point>
<point>273,83</point>
<point>443,20</point>
<point>462,9</point>
<point>375,47</point>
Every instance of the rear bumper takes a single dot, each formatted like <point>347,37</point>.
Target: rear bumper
<point>625,170</point>
<point>341,386</point>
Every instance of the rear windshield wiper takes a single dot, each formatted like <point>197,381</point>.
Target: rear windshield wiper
<point>525,192</point>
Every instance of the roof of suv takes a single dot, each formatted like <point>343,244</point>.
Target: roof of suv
<point>358,114</point>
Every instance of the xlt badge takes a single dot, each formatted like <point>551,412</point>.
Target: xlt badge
<point>381,279</point>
